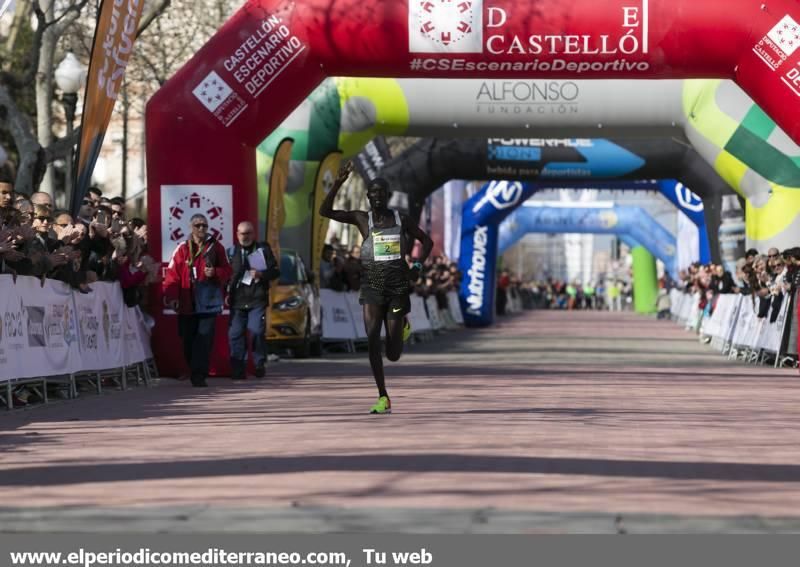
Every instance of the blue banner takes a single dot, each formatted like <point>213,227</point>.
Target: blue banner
<point>478,263</point>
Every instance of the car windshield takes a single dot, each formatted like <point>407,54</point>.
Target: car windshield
<point>288,268</point>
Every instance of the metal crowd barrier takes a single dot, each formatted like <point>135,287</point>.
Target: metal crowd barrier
<point>735,330</point>
<point>342,323</point>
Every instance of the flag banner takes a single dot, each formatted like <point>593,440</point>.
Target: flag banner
<point>276,213</point>
<point>370,161</point>
<point>117,23</point>
<point>326,175</point>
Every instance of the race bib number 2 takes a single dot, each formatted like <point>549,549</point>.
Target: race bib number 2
<point>386,247</point>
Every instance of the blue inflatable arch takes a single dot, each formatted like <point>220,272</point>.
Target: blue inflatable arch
<point>481,219</point>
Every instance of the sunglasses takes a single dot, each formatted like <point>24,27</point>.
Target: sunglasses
<point>44,219</point>
<point>200,225</point>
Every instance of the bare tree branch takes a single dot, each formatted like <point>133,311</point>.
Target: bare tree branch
<point>151,16</point>
<point>61,147</point>
<point>31,167</point>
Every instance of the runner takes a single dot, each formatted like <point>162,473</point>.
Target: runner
<point>388,238</point>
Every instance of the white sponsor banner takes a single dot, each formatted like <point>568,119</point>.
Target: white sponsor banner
<point>38,335</point>
<point>433,313</point>
<point>180,202</point>
<point>356,311</point>
<point>418,317</point>
<point>455,307</point>
<point>338,321</point>
<point>747,320</point>
<point>50,330</point>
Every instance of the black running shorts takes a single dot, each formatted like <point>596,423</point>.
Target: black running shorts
<point>397,305</point>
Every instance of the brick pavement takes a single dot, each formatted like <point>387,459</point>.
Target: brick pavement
<point>550,421</point>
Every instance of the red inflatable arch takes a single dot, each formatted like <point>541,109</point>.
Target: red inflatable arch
<point>204,124</point>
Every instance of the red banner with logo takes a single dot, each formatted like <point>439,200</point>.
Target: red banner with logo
<point>117,22</point>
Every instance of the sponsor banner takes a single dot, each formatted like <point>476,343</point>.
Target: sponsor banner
<point>114,36</point>
<point>559,158</point>
<point>356,310</point>
<point>338,321</point>
<point>418,317</point>
<point>455,307</point>
<point>472,36</point>
<point>100,326</point>
<point>326,175</point>
<point>477,263</point>
<point>180,202</point>
<point>432,308</point>
<point>51,330</point>
<point>38,334</point>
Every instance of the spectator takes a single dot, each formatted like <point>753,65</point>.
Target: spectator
<point>248,298</point>
<point>193,288</point>
<point>663,304</point>
<point>326,266</point>
<point>722,281</point>
<point>503,283</point>
<point>43,199</point>
<point>351,270</point>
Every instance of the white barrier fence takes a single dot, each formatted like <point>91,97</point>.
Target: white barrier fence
<point>342,319</point>
<point>50,330</point>
<point>734,327</point>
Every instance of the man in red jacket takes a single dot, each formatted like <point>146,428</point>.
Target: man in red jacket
<point>193,287</point>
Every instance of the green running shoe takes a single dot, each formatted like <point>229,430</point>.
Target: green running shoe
<point>406,331</point>
<point>384,405</point>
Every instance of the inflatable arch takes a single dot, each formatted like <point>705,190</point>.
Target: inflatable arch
<point>545,217</point>
<point>731,133</point>
<point>431,162</point>
<point>481,241</point>
<point>204,124</point>
<point>674,191</point>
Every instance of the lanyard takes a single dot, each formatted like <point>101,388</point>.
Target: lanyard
<point>193,255</point>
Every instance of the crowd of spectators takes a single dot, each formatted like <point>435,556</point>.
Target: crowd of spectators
<point>39,240</point>
<point>101,244</point>
<point>611,294</point>
<point>766,278</point>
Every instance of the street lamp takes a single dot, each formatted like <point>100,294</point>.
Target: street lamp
<point>70,78</point>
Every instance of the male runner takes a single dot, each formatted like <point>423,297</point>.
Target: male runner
<point>388,237</point>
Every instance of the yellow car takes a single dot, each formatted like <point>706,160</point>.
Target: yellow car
<point>296,321</point>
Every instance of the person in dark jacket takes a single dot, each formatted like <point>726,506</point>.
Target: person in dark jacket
<point>248,297</point>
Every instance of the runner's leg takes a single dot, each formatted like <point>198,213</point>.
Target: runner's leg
<point>373,319</point>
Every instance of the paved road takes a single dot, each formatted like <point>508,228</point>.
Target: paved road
<point>551,421</point>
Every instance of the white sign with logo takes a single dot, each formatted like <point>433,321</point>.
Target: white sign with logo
<point>445,26</point>
<point>501,194</point>
<point>180,202</point>
<point>337,320</point>
<point>779,43</point>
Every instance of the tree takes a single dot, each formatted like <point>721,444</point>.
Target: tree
<point>27,56</point>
